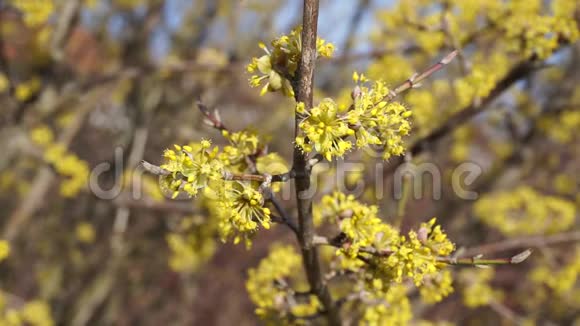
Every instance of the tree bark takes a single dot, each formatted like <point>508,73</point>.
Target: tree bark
<point>304,89</point>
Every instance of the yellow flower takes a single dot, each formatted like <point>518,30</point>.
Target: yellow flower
<point>4,83</point>
<point>325,131</point>
<point>477,291</point>
<point>242,144</point>
<point>359,222</point>
<point>561,281</point>
<point>393,308</point>
<point>35,12</point>
<point>26,90</point>
<point>245,205</point>
<point>281,62</point>
<point>4,249</point>
<point>523,211</point>
<point>437,287</point>
<point>37,313</point>
<point>191,169</point>
<point>42,135</point>
<point>68,165</point>
<point>377,122</point>
<point>193,244</point>
<point>266,290</point>
<point>85,232</point>
<point>412,256</point>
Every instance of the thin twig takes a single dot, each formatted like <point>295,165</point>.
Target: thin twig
<point>464,115</point>
<point>213,118</point>
<point>479,261</point>
<point>67,19</point>
<point>415,80</point>
<point>524,242</point>
<point>284,216</point>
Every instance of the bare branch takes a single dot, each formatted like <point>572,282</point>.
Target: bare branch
<point>415,80</point>
<point>479,261</point>
<point>524,242</point>
<point>303,88</point>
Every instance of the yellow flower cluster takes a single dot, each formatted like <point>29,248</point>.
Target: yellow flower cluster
<point>405,14</point>
<point>477,291</point>
<point>238,207</point>
<point>462,140</point>
<point>393,308</point>
<point>27,89</point>
<point>69,165</point>
<point>242,144</point>
<point>392,257</point>
<point>560,281</point>
<point>413,256</point>
<point>485,73</point>
<point>524,26</point>
<point>66,164</point>
<point>279,64</point>
<point>272,164</point>
<point>36,12</point>
<point>565,184</point>
<point>371,120</point>
<point>523,211</point>
<point>377,122</point>
<point>268,286</point>
<point>562,128</point>
<point>324,127</point>
<point>244,204</point>
<point>437,287</point>
<point>359,222</point>
<point>33,313</point>
<point>424,106</point>
<point>192,244</point>
<point>4,249</point>
<point>398,66</point>
<point>537,34</point>
<point>4,83</point>
<point>191,167</point>
<point>85,232</point>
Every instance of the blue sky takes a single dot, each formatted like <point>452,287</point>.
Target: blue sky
<point>333,22</point>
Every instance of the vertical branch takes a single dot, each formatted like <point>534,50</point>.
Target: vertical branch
<point>304,89</point>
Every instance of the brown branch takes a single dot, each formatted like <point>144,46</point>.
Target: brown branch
<point>68,18</point>
<point>518,72</point>
<point>303,88</point>
<point>282,220</point>
<point>524,242</point>
<point>416,79</point>
<point>213,118</point>
<point>471,261</point>
<point>479,261</point>
<point>506,313</point>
